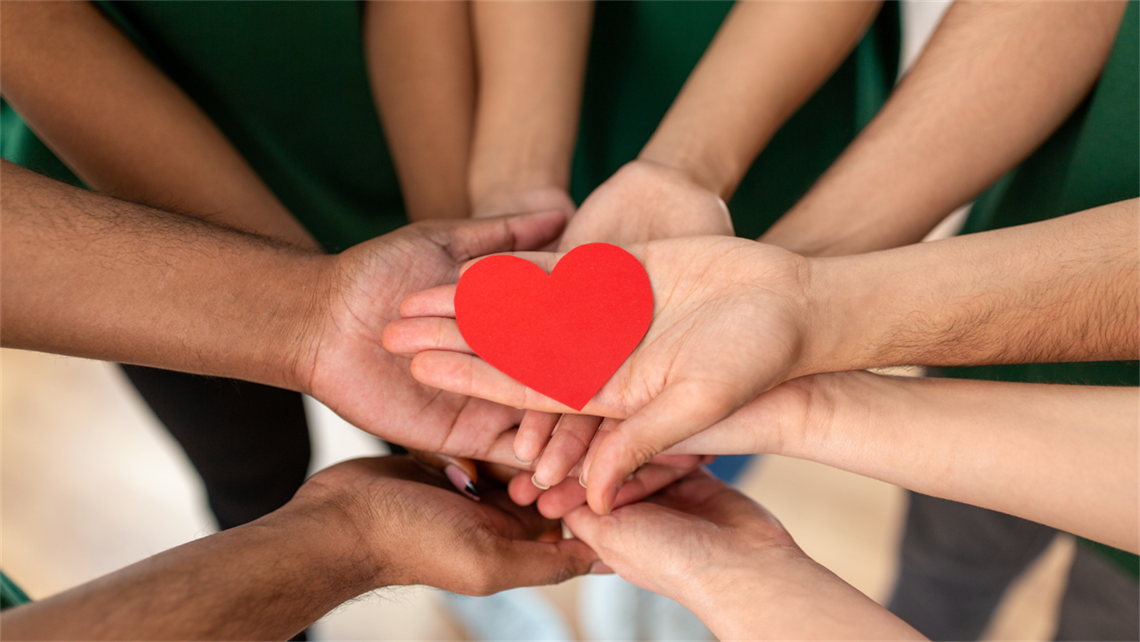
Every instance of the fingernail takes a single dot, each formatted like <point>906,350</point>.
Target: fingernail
<point>600,568</point>
<point>524,463</point>
<point>582,479</point>
<point>461,481</point>
<point>534,480</point>
<point>629,478</point>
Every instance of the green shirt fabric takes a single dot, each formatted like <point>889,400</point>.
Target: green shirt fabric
<point>287,84</point>
<point>1093,159</point>
<point>10,594</point>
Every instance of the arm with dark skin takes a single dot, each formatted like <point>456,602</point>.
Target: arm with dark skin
<point>338,538</point>
<point>122,126</point>
<point>88,275</point>
<point>995,81</point>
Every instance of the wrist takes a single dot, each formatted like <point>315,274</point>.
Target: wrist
<point>308,287</point>
<point>713,172</point>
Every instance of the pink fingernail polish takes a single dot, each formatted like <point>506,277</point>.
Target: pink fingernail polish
<point>462,482</point>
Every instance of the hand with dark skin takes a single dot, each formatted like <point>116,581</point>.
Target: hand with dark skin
<point>128,283</point>
<point>352,528</point>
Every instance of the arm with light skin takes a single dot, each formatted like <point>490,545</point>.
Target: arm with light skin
<point>338,538</point>
<point>421,66</point>
<point>532,66</point>
<point>729,561</point>
<point>766,60</point>
<point>994,82</point>
<point>87,275</point>
<point>1064,456</point>
<point>734,318</point>
<point>122,126</point>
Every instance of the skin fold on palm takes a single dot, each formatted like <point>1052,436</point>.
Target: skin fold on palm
<point>729,319</point>
<point>345,367</point>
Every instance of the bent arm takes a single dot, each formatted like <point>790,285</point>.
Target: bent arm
<point>87,275</point>
<point>993,84</point>
<point>767,59</point>
<point>124,127</point>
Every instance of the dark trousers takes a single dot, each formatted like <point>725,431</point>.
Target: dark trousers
<point>248,442</point>
<point>958,560</point>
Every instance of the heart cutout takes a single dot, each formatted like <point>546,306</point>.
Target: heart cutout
<point>563,334</point>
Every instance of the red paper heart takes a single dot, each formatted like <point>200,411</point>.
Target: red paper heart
<point>563,334</point>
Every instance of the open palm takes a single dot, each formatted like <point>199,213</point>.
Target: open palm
<point>346,367</point>
<point>728,324</point>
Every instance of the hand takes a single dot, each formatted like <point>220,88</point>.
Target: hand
<point>345,367</point>
<point>417,531</point>
<point>646,201</point>
<point>730,321</point>
<point>729,561</point>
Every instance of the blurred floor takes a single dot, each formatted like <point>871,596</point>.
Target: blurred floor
<point>91,483</point>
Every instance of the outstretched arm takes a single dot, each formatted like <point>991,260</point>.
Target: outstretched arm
<point>767,59</point>
<point>332,542</point>
<point>1059,455</point>
<point>124,127</point>
<point>733,318</point>
<point>993,84</point>
<point>92,276</point>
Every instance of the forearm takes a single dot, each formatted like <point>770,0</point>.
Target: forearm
<point>785,595</point>
<point>422,71</point>
<point>122,126</point>
<point>767,59</point>
<point>532,63</point>
<point>995,81</point>
<point>1055,291</point>
<point>87,275</point>
<point>265,580</point>
<point>1064,456</point>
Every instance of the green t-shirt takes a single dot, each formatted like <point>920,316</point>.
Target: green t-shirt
<point>286,82</point>
<point>1092,160</point>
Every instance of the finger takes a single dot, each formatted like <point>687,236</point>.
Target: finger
<point>411,336</point>
<point>567,445</point>
<point>534,432</point>
<point>472,377</point>
<point>523,491</point>
<point>433,302</point>
<point>500,234</point>
<point>544,260</point>
<point>460,471</point>
<point>557,502</point>
<point>678,412</point>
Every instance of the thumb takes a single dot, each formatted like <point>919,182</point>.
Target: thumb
<point>468,239</point>
<point>680,411</point>
<point>529,563</point>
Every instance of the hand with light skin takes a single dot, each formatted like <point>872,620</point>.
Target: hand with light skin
<point>721,555</point>
<point>734,318</point>
<point>352,528</point>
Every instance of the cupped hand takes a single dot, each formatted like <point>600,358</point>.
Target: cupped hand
<point>345,366</point>
<point>729,561</point>
<point>730,321</point>
<point>418,531</point>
